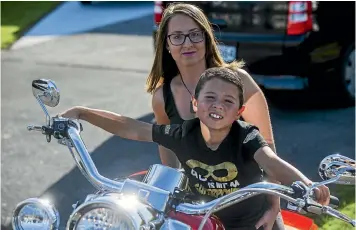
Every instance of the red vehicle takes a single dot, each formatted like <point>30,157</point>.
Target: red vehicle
<point>299,46</point>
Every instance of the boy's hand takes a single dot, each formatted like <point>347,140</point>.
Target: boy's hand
<point>73,113</point>
<point>268,219</point>
<point>322,195</point>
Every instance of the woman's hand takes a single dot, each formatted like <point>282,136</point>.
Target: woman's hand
<point>268,219</point>
<point>322,195</point>
<point>73,113</point>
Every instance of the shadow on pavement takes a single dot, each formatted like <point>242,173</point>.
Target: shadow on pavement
<point>116,157</point>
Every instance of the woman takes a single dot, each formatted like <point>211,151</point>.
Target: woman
<point>185,47</point>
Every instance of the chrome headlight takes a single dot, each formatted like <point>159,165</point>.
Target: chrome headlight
<point>110,212</point>
<point>35,213</point>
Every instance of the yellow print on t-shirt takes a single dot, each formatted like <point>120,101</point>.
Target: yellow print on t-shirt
<point>219,185</point>
<point>215,192</point>
<point>210,169</point>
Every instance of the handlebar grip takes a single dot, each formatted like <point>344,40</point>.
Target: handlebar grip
<point>334,202</point>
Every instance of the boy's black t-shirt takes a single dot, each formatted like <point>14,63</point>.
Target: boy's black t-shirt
<point>213,174</point>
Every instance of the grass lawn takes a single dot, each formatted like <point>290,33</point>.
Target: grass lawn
<point>346,195</point>
<point>18,16</point>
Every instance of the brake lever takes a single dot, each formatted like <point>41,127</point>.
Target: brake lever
<point>34,128</point>
<point>312,206</point>
<point>46,130</point>
<point>332,212</point>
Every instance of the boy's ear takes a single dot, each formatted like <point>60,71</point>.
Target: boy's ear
<point>240,111</point>
<point>195,104</point>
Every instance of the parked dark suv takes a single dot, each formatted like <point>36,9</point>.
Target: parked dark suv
<point>292,45</point>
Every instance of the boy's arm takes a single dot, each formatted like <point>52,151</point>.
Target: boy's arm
<point>287,174</point>
<point>278,168</point>
<point>168,136</point>
<point>116,124</point>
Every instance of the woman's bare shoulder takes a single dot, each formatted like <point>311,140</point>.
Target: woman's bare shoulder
<point>250,85</point>
<point>158,106</point>
<point>157,97</point>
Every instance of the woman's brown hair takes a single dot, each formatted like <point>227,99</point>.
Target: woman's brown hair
<point>164,66</point>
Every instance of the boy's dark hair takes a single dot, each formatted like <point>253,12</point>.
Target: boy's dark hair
<point>222,73</point>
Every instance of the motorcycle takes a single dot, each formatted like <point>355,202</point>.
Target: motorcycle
<point>158,198</point>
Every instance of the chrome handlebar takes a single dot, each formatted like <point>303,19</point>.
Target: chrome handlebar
<point>304,202</point>
<point>235,197</point>
<point>86,164</point>
<point>68,132</point>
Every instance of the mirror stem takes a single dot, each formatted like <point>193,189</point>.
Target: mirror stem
<point>48,118</point>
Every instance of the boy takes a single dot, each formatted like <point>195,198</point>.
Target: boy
<point>218,152</point>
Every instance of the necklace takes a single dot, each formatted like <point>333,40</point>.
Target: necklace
<point>191,103</point>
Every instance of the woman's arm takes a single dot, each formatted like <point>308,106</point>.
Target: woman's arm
<point>257,111</point>
<point>167,156</point>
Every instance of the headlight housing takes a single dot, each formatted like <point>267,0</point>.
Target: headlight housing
<point>110,211</point>
<point>101,218</point>
<point>35,213</point>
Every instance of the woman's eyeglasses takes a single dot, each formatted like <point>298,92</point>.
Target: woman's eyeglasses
<point>179,39</point>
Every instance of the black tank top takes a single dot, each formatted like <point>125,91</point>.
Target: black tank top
<point>170,105</point>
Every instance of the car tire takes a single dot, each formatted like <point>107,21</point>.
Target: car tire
<point>346,85</point>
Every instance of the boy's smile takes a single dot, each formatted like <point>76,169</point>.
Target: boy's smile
<point>216,116</point>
